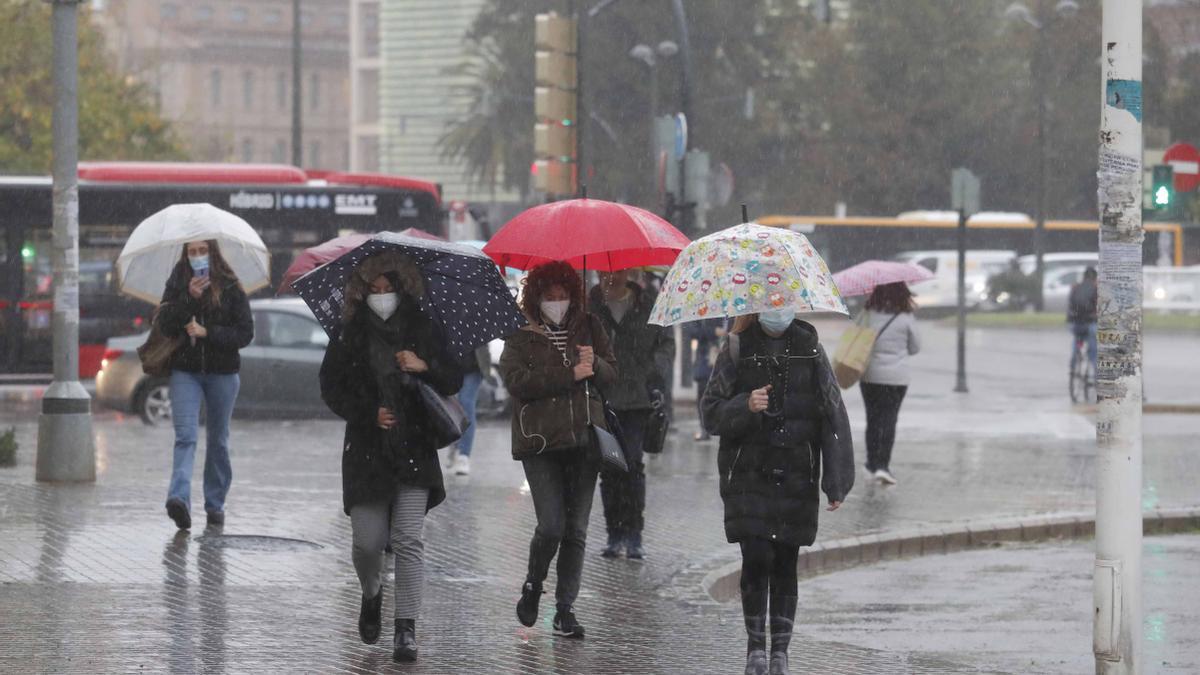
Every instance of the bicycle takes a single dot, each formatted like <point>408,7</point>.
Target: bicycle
<point>1083,373</point>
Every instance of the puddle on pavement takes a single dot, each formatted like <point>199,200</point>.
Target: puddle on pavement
<point>254,542</point>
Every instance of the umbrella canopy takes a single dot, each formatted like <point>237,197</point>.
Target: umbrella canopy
<point>155,246</point>
<point>312,258</point>
<point>587,233</point>
<point>464,291</point>
<point>746,269</point>
<point>865,276</point>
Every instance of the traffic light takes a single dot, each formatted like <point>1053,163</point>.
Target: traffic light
<point>1162,187</point>
<point>554,104</point>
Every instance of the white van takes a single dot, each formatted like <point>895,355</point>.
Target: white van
<point>942,290</point>
<point>1052,261</point>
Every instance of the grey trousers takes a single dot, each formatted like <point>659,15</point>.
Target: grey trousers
<point>401,523</point>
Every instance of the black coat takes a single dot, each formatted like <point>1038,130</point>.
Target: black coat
<point>769,474</point>
<point>371,472</point>
<point>645,352</point>
<point>230,325</point>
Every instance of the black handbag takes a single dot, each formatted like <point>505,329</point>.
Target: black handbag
<point>605,442</point>
<point>447,419</point>
<point>657,424</point>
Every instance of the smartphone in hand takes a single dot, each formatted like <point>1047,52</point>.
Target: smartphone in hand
<point>202,272</point>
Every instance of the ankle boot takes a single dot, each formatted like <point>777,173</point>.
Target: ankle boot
<point>616,543</point>
<point>633,546</point>
<point>369,622</point>
<point>754,611</point>
<point>783,616</point>
<point>405,642</point>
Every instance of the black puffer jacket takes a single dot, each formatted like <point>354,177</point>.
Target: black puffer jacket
<point>371,471</point>
<point>230,325</point>
<point>644,351</point>
<point>770,466</point>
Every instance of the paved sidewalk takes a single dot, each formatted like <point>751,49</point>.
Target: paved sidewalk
<point>94,578</point>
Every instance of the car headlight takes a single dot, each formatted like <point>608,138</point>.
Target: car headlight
<point>1160,293</point>
<point>980,286</point>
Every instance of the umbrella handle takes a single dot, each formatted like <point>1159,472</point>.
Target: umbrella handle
<point>745,217</point>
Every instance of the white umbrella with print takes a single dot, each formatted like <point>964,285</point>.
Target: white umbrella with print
<point>156,246</point>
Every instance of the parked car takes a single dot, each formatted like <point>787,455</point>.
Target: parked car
<point>1054,261</point>
<point>279,370</point>
<point>941,292</point>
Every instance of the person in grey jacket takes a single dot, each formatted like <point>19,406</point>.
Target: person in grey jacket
<point>644,354</point>
<point>885,382</point>
<point>785,436</point>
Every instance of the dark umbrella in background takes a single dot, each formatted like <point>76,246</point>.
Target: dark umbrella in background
<point>464,291</point>
<point>312,258</point>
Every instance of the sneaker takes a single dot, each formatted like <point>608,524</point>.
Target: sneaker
<point>178,512</point>
<point>868,472</point>
<point>451,457</point>
<point>633,546</point>
<point>462,465</point>
<point>884,476</point>
<point>701,436</point>
<point>527,606</point>
<point>616,544</point>
<point>565,624</point>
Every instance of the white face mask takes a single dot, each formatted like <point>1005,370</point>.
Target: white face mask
<point>776,322</point>
<point>555,311</point>
<point>383,304</point>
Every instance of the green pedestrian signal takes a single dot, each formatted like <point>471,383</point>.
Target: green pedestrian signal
<point>1162,186</point>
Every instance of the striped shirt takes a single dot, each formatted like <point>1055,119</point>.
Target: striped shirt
<point>558,337</point>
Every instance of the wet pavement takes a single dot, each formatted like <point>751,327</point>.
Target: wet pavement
<point>94,578</point>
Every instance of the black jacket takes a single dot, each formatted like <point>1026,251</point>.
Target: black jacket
<point>769,474</point>
<point>230,325</point>
<point>1082,303</point>
<point>372,471</point>
<point>645,352</point>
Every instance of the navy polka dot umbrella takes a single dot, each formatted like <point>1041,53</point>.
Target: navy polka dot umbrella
<point>464,291</point>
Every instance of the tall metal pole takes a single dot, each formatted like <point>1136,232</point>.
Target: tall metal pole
<point>1039,230</point>
<point>65,450</point>
<point>1117,577</point>
<point>960,380</point>
<point>685,106</point>
<point>297,88</point>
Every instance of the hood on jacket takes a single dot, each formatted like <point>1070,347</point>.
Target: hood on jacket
<point>403,272</point>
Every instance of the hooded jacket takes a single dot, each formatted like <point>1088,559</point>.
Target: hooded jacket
<point>645,352</point>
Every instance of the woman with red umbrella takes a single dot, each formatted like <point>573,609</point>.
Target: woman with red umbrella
<point>547,366</point>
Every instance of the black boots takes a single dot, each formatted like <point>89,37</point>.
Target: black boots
<point>405,643</point>
<point>177,511</point>
<point>633,546</point>
<point>565,624</point>
<point>783,616</point>
<point>527,606</point>
<point>369,622</point>
<point>616,543</point>
<point>754,610</point>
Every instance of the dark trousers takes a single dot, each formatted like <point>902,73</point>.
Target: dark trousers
<point>769,570</point>
<point>562,484</point>
<point>701,386</point>
<point>624,492</point>
<point>883,409</point>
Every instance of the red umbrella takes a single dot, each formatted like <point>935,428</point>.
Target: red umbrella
<point>312,258</point>
<point>587,233</point>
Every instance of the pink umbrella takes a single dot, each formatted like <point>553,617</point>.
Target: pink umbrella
<point>865,276</point>
<point>312,258</point>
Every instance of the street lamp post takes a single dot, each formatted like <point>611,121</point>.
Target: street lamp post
<point>1040,22</point>
<point>65,451</point>
<point>650,57</point>
<point>297,87</point>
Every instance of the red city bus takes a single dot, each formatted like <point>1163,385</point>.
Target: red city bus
<point>291,208</point>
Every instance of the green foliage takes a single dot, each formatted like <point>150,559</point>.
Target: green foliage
<point>8,447</point>
<point>117,115</point>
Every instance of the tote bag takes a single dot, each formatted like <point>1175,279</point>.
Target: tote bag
<point>854,350</point>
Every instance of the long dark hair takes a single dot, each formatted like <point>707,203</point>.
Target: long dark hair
<point>220,274</point>
<point>544,277</point>
<point>892,299</point>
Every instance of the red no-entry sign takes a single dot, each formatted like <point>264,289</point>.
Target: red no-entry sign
<point>1184,158</point>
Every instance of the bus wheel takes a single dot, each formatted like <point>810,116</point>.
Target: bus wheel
<point>153,402</point>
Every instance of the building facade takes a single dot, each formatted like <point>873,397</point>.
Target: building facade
<point>222,72</point>
<point>404,95</point>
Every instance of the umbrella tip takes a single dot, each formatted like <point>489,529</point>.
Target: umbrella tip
<point>745,216</point>
<point>583,190</point>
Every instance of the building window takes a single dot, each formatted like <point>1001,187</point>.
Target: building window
<point>204,12</point>
<point>273,17</point>
<point>369,39</point>
<point>368,154</point>
<point>314,91</point>
<point>314,154</point>
<point>281,89</point>
<point>169,10</point>
<point>247,150</point>
<point>368,96</point>
<point>214,83</point>
<point>248,89</point>
<point>339,20</point>
<point>306,18</point>
<point>239,15</point>
<point>279,152</point>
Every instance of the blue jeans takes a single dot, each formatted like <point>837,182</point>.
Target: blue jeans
<point>218,393</point>
<point>1086,332</point>
<point>468,396</point>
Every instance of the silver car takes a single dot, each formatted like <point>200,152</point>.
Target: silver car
<point>279,372</point>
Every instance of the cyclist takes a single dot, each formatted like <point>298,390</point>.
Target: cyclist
<point>1081,314</point>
